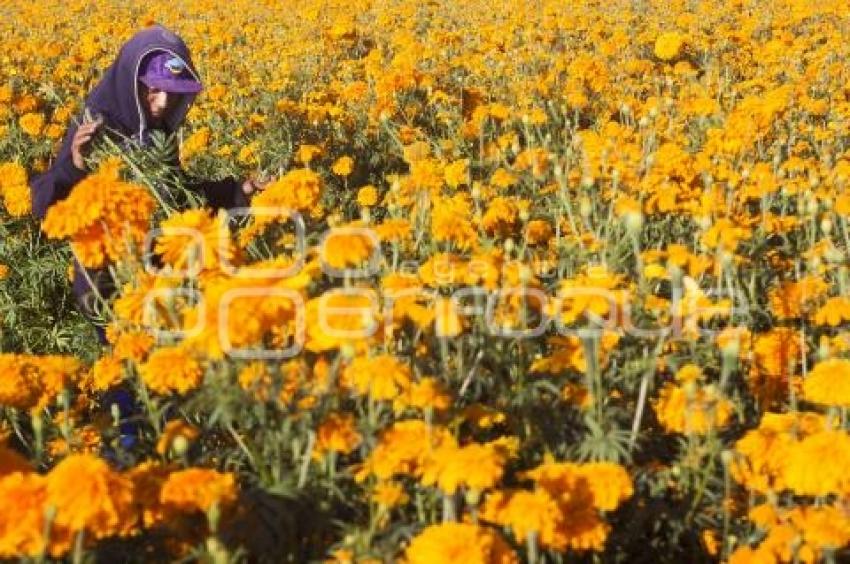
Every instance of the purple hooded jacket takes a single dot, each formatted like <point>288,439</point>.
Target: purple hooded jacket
<point>116,98</point>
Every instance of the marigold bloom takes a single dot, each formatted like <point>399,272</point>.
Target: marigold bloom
<point>171,369</point>
<point>32,123</point>
<point>381,377</point>
<point>829,383</point>
<point>100,216</point>
<point>343,166</point>
<point>389,494</point>
<point>22,518</point>
<point>90,496</point>
<point>337,433</point>
<point>475,466</point>
<point>668,45</point>
<point>450,543</point>
<point>106,373</point>
<point>198,489</point>
<point>367,196</point>
<point>692,408</point>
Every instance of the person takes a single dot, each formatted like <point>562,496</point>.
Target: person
<point>150,86</point>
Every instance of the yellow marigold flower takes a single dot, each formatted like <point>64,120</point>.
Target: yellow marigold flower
<point>194,144</point>
<point>367,196</point>
<point>834,312</point>
<point>381,377</point>
<point>18,386</point>
<point>457,173</point>
<point>403,449</point>
<point>193,240</point>
<point>832,476</point>
<point>106,372</point>
<point>343,166</point>
<point>449,543</point>
<point>393,230</point>
<point>824,528</point>
<point>89,496</point>
<point>298,190</point>
<point>17,199</point>
<point>776,355</point>
<point>526,512</point>
<point>427,393</point>
<point>171,369</point>
<point>307,153</point>
<point>668,45</point>
<point>198,489</point>
<point>450,222</point>
<point>829,383</point>
<point>609,484</point>
<point>689,373</point>
<point>538,231</point>
<point>761,454</point>
<point>256,379</point>
<point>133,345</point>
<point>475,466</point>
<point>447,321</point>
<point>337,433</point>
<point>389,494</point>
<point>148,479</point>
<point>174,429</point>
<point>32,123</point>
<point>691,408</point>
<point>100,217</point>
<point>22,518</point>
<point>347,246</point>
<point>14,189</point>
<point>502,178</point>
<point>338,318</point>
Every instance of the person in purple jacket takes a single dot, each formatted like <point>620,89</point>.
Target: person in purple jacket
<point>150,86</point>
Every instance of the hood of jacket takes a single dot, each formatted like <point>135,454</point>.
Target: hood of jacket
<point>117,95</point>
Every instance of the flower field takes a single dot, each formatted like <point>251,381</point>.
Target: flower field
<point>546,281</point>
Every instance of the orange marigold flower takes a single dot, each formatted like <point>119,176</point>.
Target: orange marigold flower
<point>337,433</point>
<point>22,518</point>
<point>88,495</point>
<point>829,383</point>
<point>343,166</point>
<point>449,543</point>
<point>381,377</point>
<point>32,123</point>
<point>367,196</point>
<point>668,45</point>
<point>171,369</point>
<point>198,489</point>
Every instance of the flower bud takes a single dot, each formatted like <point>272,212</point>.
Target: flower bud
<point>826,226</point>
<point>584,207</point>
<point>180,445</point>
<point>634,222</point>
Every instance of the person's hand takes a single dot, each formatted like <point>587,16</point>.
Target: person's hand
<point>82,136</point>
<point>253,185</point>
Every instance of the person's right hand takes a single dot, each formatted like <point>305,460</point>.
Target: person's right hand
<point>82,136</point>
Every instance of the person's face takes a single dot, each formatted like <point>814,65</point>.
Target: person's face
<point>156,103</point>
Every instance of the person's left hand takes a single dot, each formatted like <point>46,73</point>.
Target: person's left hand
<point>253,185</point>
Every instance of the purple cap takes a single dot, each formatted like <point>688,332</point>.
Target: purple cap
<point>169,73</point>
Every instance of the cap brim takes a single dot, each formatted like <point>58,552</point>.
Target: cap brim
<point>175,85</point>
